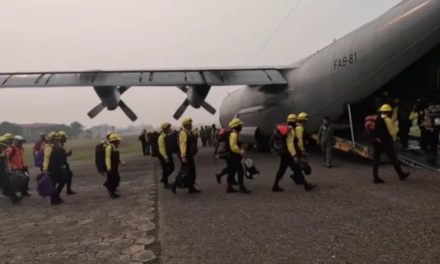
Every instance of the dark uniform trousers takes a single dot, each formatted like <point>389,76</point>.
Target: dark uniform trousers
<point>167,168</point>
<point>113,179</point>
<point>432,144</point>
<point>286,161</point>
<point>235,167</point>
<point>189,169</point>
<point>388,148</point>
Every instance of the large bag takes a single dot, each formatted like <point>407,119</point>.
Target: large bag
<point>100,157</point>
<point>18,180</point>
<point>44,185</point>
<point>182,180</point>
<point>279,137</point>
<point>249,168</point>
<point>221,144</point>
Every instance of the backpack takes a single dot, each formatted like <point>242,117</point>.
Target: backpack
<point>278,140</point>
<point>39,157</point>
<point>152,138</point>
<point>221,145</point>
<point>100,157</point>
<point>172,143</point>
<point>434,116</point>
<point>370,125</point>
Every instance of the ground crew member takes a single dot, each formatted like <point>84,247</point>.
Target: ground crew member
<point>165,157</point>
<point>4,177</point>
<point>188,149</point>
<point>288,156</point>
<point>38,151</point>
<point>326,139</point>
<point>69,173</point>
<point>299,132</point>
<point>55,164</point>
<point>432,132</point>
<point>385,136</point>
<point>301,151</point>
<point>15,154</point>
<point>112,161</point>
<point>235,160</point>
<point>145,144</point>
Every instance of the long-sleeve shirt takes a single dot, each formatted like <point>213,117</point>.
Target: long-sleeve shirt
<point>183,142</point>
<point>16,158</point>
<point>47,153</point>
<point>108,156</point>
<point>290,143</point>
<point>299,133</point>
<point>392,130</point>
<point>233,143</point>
<point>162,145</point>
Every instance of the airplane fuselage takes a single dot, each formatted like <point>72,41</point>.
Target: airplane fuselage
<point>346,71</point>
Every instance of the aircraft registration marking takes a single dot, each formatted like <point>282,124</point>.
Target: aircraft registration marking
<point>345,61</point>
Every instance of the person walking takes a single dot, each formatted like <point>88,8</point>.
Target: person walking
<point>326,139</point>
<point>4,177</point>
<point>69,173</point>
<point>236,157</point>
<point>55,165</point>
<point>165,156</point>
<point>384,138</point>
<point>188,149</point>
<point>17,163</point>
<point>144,143</point>
<point>112,162</point>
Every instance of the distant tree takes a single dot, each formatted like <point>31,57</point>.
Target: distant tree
<point>6,127</point>
<point>76,129</point>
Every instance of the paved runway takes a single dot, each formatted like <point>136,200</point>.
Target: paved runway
<point>347,219</point>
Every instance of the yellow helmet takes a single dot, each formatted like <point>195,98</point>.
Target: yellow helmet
<point>108,134</point>
<point>8,136</point>
<point>291,118</point>
<point>114,137</point>
<point>2,139</point>
<point>62,134</point>
<point>165,125</point>
<point>186,121</point>
<point>385,108</point>
<point>52,135</point>
<point>303,116</point>
<point>235,123</point>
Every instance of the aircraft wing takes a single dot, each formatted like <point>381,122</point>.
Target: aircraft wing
<point>144,78</point>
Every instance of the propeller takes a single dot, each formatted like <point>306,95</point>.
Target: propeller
<point>110,98</point>
<point>196,98</point>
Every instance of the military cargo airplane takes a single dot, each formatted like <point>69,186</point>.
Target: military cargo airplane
<point>348,70</point>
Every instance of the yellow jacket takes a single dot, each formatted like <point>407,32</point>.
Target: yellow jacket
<point>183,142</point>
<point>108,156</point>
<point>290,142</point>
<point>162,145</point>
<point>390,127</point>
<point>233,143</point>
<point>299,133</point>
<point>47,153</point>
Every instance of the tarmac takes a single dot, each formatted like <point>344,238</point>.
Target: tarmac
<point>347,219</point>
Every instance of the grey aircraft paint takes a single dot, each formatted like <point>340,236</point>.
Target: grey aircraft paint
<point>348,70</point>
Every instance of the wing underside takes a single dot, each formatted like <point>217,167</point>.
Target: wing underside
<point>144,78</point>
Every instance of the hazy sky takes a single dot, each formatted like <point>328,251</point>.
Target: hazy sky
<point>38,35</point>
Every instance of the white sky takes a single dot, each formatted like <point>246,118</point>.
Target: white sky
<point>38,35</point>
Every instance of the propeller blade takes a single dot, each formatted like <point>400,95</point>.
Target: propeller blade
<point>183,88</point>
<point>96,110</point>
<point>127,111</point>
<point>123,89</point>
<point>209,108</point>
<point>179,112</point>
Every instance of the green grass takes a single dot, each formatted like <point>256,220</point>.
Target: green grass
<point>84,149</point>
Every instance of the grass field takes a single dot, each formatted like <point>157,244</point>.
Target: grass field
<point>84,149</point>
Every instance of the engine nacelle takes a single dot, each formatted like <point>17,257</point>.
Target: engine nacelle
<point>196,95</point>
<point>109,95</point>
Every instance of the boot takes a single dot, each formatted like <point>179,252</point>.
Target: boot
<point>309,186</point>
<point>231,189</point>
<point>70,192</point>
<point>193,190</point>
<point>378,180</point>
<point>114,195</point>
<point>15,199</point>
<point>277,188</point>
<point>244,190</point>
<point>174,188</point>
<point>403,175</point>
<point>219,178</point>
